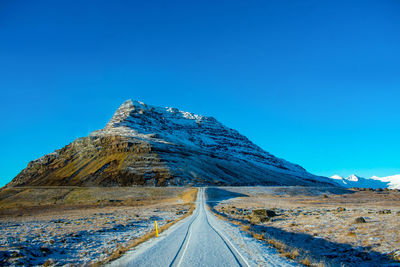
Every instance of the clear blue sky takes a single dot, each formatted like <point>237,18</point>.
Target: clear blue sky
<point>314,82</point>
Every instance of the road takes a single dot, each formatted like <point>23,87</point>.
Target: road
<point>197,241</point>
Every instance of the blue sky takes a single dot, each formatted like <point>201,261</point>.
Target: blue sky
<point>314,82</point>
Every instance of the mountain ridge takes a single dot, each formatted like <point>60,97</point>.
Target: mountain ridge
<point>391,182</point>
<point>149,145</point>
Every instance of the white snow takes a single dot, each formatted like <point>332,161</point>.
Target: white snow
<point>337,177</point>
<point>189,131</point>
<point>352,178</point>
<point>207,242</point>
<point>255,251</point>
<point>391,182</point>
<point>34,241</point>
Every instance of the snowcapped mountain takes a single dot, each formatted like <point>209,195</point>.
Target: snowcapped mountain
<point>392,182</point>
<point>148,145</point>
<point>353,178</point>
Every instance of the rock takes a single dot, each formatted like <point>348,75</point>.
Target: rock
<point>156,146</point>
<point>385,211</point>
<point>49,262</point>
<point>261,215</point>
<point>360,220</point>
<point>264,212</point>
<point>340,209</point>
<point>45,250</point>
<point>396,255</point>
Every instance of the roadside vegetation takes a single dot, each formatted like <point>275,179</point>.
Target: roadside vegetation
<point>319,227</point>
<point>84,226</point>
<point>188,198</point>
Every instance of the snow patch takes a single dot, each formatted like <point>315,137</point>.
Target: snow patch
<point>391,182</point>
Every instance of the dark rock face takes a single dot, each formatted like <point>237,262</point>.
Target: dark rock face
<point>97,161</point>
<point>145,145</point>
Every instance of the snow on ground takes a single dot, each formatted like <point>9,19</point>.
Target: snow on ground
<point>77,238</point>
<point>202,240</point>
<point>336,227</point>
<point>255,251</point>
<point>159,125</point>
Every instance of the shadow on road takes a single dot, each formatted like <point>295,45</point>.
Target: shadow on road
<point>215,195</point>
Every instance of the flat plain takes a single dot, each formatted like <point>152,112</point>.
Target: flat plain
<point>82,225</point>
<point>94,225</point>
<point>317,226</point>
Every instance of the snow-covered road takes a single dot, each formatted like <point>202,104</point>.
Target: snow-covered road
<point>199,240</point>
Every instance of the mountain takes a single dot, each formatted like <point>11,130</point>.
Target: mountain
<point>148,145</point>
<point>392,182</point>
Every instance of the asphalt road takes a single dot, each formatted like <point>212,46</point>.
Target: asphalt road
<point>197,241</point>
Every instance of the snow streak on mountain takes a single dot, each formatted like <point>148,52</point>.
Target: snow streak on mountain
<point>391,182</point>
<point>148,145</point>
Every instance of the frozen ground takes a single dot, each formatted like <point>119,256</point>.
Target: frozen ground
<point>82,235</point>
<point>202,240</point>
<point>255,251</point>
<point>319,226</point>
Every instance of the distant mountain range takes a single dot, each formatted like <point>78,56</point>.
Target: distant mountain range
<point>162,146</point>
<point>391,182</point>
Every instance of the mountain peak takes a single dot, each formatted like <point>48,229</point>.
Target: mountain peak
<point>337,177</point>
<point>150,145</point>
<point>133,108</point>
<point>122,113</point>
<point>353,178</point>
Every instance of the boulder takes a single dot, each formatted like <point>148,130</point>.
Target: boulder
<point>384,212</point>
<point>261,215</point>
<point>359,220</point>
<point>340,209</point>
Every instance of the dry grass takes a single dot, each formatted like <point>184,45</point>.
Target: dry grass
<point>33,200</point>
<point>328,216</point>
<point>292,254</point>
<point>245,228</point>
<point>280,246</point>
<point>257,236</point>
<point>306,262</point>
<point>187,198</point>
<point>68,211</point>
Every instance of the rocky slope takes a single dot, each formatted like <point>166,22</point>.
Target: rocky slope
<point>147,145</point>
